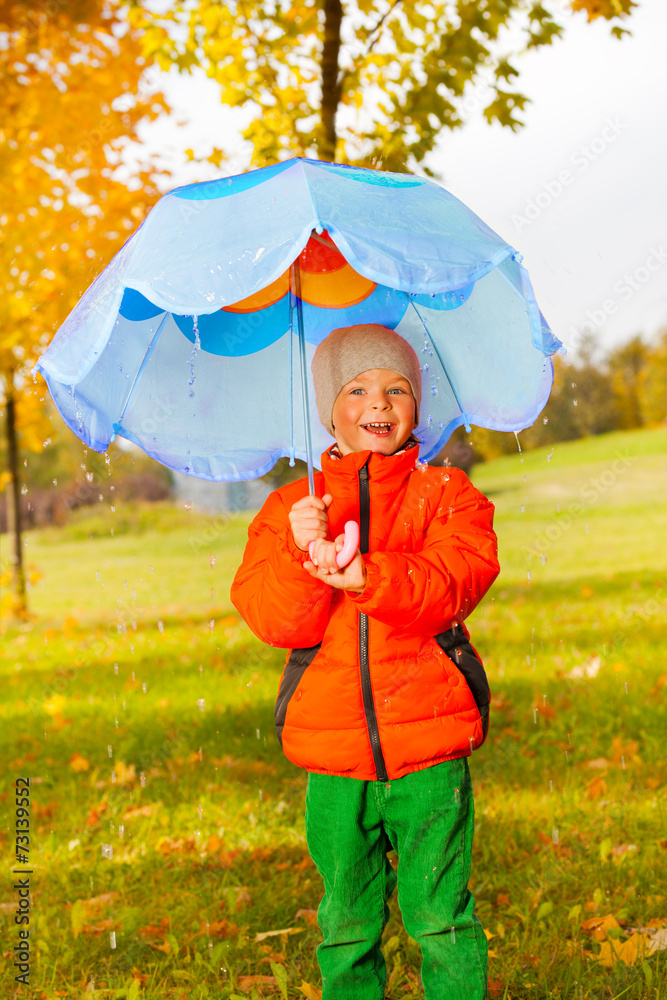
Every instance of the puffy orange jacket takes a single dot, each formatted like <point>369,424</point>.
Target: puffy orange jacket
<point>368,690</point>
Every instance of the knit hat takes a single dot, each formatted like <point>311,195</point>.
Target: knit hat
<point>351,350</point>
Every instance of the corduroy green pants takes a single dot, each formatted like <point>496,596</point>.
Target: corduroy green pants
<point>427,818</point>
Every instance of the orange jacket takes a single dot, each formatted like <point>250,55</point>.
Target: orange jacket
<point>367,690</point>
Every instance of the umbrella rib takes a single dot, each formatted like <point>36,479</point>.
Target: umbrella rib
<point>149,351</point>
<point>296,292</point>
<point>442,365</point>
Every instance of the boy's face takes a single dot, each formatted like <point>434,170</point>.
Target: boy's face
<point>375,411</point>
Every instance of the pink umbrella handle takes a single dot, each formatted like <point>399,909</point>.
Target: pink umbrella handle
<point>350,545</point>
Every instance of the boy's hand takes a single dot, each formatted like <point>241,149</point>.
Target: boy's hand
<point>309,520</point>
<point>324,568</point>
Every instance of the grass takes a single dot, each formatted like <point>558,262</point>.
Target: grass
<point>164,814</point>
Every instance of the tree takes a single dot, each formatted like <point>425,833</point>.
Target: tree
<point>366,82</point>
<point>71,79</point>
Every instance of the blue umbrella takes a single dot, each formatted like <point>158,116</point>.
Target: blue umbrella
<point>195,342</point>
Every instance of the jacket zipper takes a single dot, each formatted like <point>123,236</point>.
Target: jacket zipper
<point>366,689</point>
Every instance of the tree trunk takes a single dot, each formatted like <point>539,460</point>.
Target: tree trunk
<point>333,16</point>
<point>20,608</point>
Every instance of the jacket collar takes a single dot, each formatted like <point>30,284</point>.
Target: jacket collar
<point>386,472</point>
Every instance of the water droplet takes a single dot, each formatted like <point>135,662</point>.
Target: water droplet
<point>201,704</point>
<point>121,831</point>
<point>110,750</point>
<point>535,716</point>
<point>107,851</point>
<point>554,835</point>
<point>160,626</point>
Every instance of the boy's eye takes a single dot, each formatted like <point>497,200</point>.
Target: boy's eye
<point>397,389</point>
<point>356,391</point>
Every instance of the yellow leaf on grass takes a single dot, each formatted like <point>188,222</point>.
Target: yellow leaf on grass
<point>489,934</point>
<point>491,953</point>
<point>630,951</point>
<point>262,935</point>
<point>310,992</point>
<point>125,774</point>
<point>79,763</point>
<point>77,916</point>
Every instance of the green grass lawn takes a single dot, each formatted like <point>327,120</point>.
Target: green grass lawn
<point>167,847</point>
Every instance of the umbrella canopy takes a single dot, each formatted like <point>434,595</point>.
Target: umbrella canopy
<point>195,342</point>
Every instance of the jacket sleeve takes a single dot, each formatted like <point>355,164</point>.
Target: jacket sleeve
<point>278,599</point>
<point>431,590</point>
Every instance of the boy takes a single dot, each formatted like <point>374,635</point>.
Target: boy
<point>370,702</point>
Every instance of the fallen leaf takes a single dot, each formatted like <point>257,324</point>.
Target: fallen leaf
<point>596,788</point>
<point>79,763</point>
<point>310,916</point>
<point>310,992</point>
<point>133,811</point>
<point>620,750</point>
<point>95,814</point>
<point>628,952</point>
<point>489,934</point>
<point>599,763</point>
<point>503,899</point>
<point>658,941</point>
<point>124,773</point>
<point>491,953</point>
<point>218,928</point>
<point>620,851</point>
<point>262,935</point>
<point>598,926</point>
<point>165,947</point>
<point>247,982</point>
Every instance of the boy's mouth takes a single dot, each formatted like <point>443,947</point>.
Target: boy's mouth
<point>380,428</point>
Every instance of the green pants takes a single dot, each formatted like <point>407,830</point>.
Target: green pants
<point>427,818</point>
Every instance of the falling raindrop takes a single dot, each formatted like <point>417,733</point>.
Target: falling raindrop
<point>529,576</point>
<point>626,687</point>
<point>535,716</point>
<point>110,750</point>
<point>160,626</point>
<point>554,835</point>
<point>112,939</point>
<point>143,688</point>
<point>121,831</point>
<point>107,851</point>
<point>201,704</point>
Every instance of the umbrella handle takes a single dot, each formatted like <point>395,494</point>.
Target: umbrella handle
<point>350,545</point>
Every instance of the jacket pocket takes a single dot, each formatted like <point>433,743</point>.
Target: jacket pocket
<point>297,663</point>
<point>454,643</point>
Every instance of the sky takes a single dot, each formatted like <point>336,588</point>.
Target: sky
<point>580,190</point>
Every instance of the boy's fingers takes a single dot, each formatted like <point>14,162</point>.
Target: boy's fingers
<point>326,499</point>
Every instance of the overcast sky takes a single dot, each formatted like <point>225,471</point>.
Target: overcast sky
<point>580,190</point>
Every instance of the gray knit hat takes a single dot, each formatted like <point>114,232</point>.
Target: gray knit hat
<point>351,350</point>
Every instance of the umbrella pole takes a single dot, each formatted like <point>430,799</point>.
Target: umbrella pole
<point>296,294</point>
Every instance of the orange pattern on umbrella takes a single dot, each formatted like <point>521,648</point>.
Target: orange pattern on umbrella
<point>327,280</point>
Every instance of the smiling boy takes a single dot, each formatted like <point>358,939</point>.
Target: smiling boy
<point>382,698</point>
